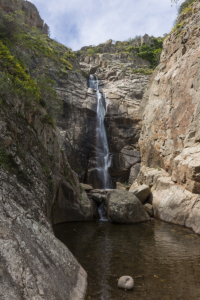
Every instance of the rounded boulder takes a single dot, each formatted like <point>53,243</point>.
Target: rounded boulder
<point>126,283</point>
<point>124,207</point>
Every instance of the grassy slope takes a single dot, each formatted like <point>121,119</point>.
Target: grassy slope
<point>26,58</point>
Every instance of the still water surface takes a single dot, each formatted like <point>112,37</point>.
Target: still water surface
<point>163,259</point>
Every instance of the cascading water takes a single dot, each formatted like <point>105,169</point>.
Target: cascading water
<point>103,159</point>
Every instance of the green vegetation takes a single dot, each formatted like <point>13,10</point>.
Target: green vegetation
<point>143,71</point>
<point>91,51</point>
<point>14,78</point>
<point>127,184</point>
<point>184,6</point>
<point>85,74</point>
<point>49,99</point>
<point>178,27</point>
<point>20,45</point>
<point>49,120</point>
<point>4,159</point>
<point>151,53</point>
<point>184,10</point>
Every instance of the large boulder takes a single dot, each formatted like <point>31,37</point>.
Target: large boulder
<point>93,69</point>
<point>142,192</point>
<point>125,207</point>
<point>98,198</point>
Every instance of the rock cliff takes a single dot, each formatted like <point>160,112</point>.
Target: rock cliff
<point>170,133</point>
<point>123,91</point>
<point>38,188</point>
<point>32,15</point>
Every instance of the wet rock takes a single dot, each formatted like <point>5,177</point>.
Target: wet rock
<point>149,209</point>
<point>125,207</point>
<point>142,192</point>
<point>126,283</point>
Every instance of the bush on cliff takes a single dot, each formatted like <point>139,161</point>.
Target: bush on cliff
<point>151,53</point>
<point>185,5</point>
<point>90,51</point>
<point>20,48</point>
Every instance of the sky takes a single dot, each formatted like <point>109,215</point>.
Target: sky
<point>78,23</point>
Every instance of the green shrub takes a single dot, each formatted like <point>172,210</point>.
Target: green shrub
<point>142,71</point>
<point>10,26</point>
<point>15,80</point>
<point>151,53</point>
<point>90,51</point>
<point>48,119</point>
<point>130,49</point>
<point>85,74</point>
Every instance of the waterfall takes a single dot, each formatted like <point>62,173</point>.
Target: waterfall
<point>103,158</point>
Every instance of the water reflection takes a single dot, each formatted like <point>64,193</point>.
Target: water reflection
<point>163,259</point>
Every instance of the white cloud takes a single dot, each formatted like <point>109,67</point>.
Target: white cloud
<point>78,23</point>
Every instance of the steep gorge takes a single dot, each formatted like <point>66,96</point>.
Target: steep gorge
<point>42,165</point>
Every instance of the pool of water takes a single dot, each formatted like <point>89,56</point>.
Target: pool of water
<point>163,259</point>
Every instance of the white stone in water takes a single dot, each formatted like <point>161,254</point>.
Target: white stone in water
<point>126,283</point>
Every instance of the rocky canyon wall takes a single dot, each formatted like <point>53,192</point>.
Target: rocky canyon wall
<point>38,188</point>
<point>170,132</point>
<point>123,91</point>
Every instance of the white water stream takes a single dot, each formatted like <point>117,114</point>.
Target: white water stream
<point>103,158</point>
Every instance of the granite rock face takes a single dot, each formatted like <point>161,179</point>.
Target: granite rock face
<point>123,91</point>
<point>37,189</point>
<point>170,132</point>
<point>30,10</point>
<point>171,202</point>
<point>169,141</point>
<point>34,264</point>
